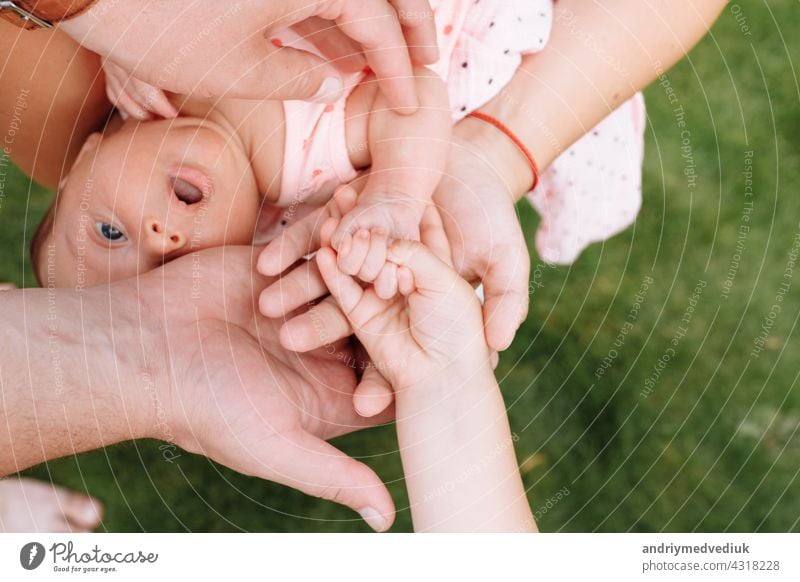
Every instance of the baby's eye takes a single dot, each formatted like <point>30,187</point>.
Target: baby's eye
<point>109,232</point>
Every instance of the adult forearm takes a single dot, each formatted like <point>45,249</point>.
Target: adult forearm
<point>598,56</point>
<point>73,374</point>
<point>458,458</point>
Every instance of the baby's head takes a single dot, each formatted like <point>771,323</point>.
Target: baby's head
<point>143,196</point>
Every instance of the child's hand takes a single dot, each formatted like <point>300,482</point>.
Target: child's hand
<point>363,255</point>
<point>399,216</point>
<point>135,98</point>
<point>363,246</point>
<point>362,234</point>
<point>434,325</point>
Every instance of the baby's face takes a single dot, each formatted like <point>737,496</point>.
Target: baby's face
<point>145,195</point>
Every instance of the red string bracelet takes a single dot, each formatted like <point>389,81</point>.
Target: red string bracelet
<point>517,142</point>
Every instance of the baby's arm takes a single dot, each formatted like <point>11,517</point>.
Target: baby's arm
<point>407,155</point>
<point>456,445</point>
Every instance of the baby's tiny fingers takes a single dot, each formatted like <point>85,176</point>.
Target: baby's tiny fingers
<point>405,281</point>
<point>128,105</point>
<point>344,199</point>
<point>386,283</point>
<point>376,256</point>
<point>351,259</point>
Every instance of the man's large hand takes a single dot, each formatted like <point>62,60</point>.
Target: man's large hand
<point>241,399</point>
<point>226,49</point>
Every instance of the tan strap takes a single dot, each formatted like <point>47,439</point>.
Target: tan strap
<point>49,11</point>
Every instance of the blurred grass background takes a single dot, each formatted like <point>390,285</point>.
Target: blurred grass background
<point>713,446</point>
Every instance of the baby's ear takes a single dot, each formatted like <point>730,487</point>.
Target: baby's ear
<point>88,148</point>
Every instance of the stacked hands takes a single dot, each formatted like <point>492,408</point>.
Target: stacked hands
<point>258,377</point>
<point>392,258</point>
<point>416,160</point>
<point>256,367</point>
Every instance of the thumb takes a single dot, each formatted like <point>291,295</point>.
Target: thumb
<point>505,286</point>
<point>313,466</point>
<point>430,273</point>
<point>373,395</point>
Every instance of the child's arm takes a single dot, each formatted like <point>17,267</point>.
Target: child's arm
<point>458,456</point>
<point>455,441</point>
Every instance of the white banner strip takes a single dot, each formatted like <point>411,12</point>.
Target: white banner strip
<point>400,557</point>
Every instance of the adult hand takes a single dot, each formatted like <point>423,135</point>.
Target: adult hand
<point>323,323</point>
<point>202,47</point>
<point>240,398</point>
<point>181,354</point>
<point>476,200</point>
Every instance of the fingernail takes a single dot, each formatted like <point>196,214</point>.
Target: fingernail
<point>364,234</point>
<point>374,519</point>
<point>329,90</point>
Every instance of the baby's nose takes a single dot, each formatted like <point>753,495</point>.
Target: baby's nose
<point>163,240</point>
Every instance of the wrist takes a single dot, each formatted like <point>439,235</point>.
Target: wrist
<point>448,382</point>
<point>499,153</point>
<point>443,397</point>
<point>531,125</point>
<point>31,14</point>
<point>139,348</point>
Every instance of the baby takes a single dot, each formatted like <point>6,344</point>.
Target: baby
<point>150,192</point>
<point>428,342</point>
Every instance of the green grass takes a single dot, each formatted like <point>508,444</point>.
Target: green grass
<point>714,446</point>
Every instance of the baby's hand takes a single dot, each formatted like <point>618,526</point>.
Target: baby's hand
<point>435,324</point>
<point>135,98</point>
<point>362,236</point>
<point>398,215</point>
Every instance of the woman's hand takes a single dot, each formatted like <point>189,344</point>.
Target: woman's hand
<point>476,200</point>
